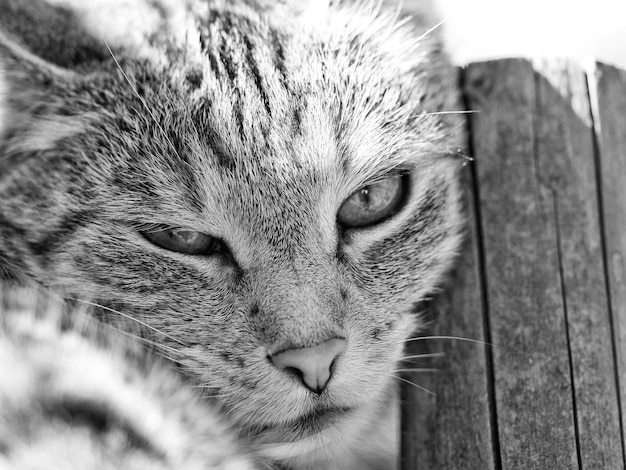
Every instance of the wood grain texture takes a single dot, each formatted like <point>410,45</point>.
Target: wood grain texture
<point>566,165</point>
<point>608,92</point>
<point>453,428</point>
<point>545,268</point>
<point>535,416</point>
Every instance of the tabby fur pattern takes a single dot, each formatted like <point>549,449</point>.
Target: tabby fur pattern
<point>251,122</point>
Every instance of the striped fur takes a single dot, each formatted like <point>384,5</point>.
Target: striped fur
<point>74,394</point>
<point>251,122</point>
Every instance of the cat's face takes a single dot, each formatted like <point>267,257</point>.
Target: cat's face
<point>214,199</point>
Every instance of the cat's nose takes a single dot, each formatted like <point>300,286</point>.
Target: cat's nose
<point>313,365</point>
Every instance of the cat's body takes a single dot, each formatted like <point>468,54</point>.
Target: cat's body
<point>77,395</point>
<point>269,191</point>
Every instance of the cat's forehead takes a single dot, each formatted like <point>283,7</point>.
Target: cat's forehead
<point>268,97</point>
<point>283,111</point>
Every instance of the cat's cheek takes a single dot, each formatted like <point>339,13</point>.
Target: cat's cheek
<point>94,260</point>
<point>427,242</point>
<point>375,336</point>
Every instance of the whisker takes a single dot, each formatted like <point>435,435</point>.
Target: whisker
<point>414,385</point>
<point>438,25</point>
<point>156,351</point>
<point>158,347</point>
<point>464,155</point>
<point>165,356</point>
<point>416,363</point>
<point>419,356</point>
<point>418,370</point>
<point>129,317</point>
<point>209,395</point>
<point>457,338</point>
<point>135,337</point>
<point>223,395</point>
<point>440,113</point>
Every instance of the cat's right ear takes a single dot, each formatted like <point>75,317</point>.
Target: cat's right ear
<point>17,63</point>
<point>54,33</point>
<point>41,46</point>
<point>28,87</point>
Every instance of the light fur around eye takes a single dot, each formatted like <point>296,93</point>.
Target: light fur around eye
<point>373,203</point>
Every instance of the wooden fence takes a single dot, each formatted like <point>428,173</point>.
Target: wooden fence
<point>542,281</point>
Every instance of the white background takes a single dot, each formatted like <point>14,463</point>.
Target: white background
<point>485,29</point>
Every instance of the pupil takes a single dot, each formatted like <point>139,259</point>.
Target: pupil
<point>364,197</point>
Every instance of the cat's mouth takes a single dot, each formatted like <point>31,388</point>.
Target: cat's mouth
<point>309,423</point>
<point>321,416</point>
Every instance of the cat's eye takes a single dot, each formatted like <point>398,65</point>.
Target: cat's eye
<point>184,241</point>
<point>373,203</point>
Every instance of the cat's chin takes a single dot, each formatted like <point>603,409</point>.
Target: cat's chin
<point>327,436</point>
<point>325,416</point>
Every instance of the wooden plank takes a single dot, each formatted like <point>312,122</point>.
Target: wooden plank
<point>533,393</point>
<point>556,396</point>
<point>608,90</point>
<point>566,168</point>
<point>453,428</point>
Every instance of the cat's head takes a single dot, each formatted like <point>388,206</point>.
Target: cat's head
<point>241,183</point>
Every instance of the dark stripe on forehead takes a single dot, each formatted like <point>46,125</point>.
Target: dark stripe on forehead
<point>219,148</point>
<point>296,120</point>
<point>256,73</point>
<point>209,137</point>
<point>277,40</point>
<point>215,67</point>
<point>251,34</point>
<point>298,96</point>
<point>249,58</point>
<point>228,53</point>
<point>206,31</point>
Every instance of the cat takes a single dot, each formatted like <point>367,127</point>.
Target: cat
<point>83,398</point>
<point>263,192</point>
